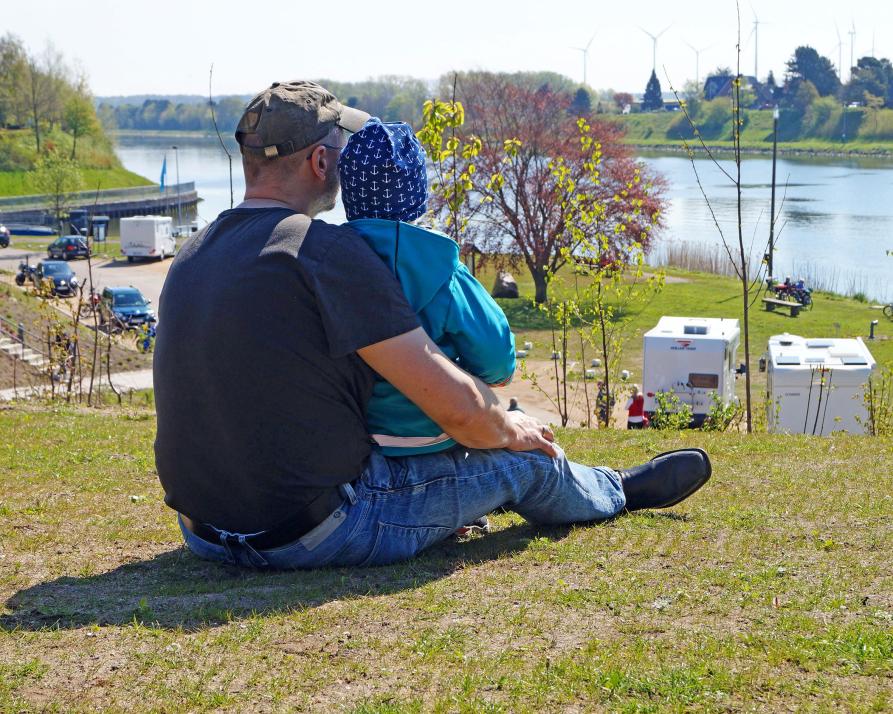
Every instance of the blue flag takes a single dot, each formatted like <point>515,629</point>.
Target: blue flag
<point>163,174</point>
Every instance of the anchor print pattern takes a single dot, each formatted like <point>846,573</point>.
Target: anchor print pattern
<point>383,173</point>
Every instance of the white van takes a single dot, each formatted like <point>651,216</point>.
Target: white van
<point>147,237</point>
<point>817,386</point>
<point>693,358</point>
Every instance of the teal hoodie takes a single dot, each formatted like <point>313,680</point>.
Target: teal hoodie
<point>457,313</point>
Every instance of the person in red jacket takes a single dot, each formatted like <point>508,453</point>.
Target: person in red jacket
<point>635,407</point>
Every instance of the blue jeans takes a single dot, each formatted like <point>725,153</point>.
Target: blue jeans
<point>401,505</point>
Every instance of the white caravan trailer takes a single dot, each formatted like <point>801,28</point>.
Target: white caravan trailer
<point>147,237</point>
<point>817,386</point>
<point>692,357</point>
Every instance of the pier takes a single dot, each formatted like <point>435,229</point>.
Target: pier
<point>113,202</point>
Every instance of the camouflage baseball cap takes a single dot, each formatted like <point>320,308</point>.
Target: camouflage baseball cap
<point>290,116</point>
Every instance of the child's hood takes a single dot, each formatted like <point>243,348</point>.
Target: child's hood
<point>422,259</point>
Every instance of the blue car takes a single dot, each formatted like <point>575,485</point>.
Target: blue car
<point>125,308</point>
<point>68,247</point>
<point>64,281</point>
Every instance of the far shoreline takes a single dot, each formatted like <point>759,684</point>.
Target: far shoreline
<point>787,149</point>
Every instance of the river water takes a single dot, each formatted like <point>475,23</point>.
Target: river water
<point>835,221</point>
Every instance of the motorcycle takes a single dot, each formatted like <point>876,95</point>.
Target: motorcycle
<point>793,292</point>
<point>26,272</point>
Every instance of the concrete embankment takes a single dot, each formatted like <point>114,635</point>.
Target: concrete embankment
<point>114,202</point>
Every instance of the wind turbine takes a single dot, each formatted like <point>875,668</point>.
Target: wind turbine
<point>697,61</point>
<point>654,39</point>
<point>585,51</point>
<point>755,33</point>
<point>839,54</point>
<point>852,34</point>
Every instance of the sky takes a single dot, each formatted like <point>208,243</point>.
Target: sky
<point>168,46</point>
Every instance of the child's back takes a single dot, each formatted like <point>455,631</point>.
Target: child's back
<point>384,186</point>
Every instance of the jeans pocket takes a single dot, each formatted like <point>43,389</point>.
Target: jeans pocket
<point>394,543</point>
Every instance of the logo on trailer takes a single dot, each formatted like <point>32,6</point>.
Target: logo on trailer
<point>683,345</point>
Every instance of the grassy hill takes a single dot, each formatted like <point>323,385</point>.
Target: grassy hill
<point>769,590</point>
<point>819,130</point>
<point>96,156</point>
<point>692,294</point>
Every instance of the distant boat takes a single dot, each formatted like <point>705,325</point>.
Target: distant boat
<point>26,229</point>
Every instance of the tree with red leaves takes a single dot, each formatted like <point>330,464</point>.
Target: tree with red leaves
<point>563,184</point>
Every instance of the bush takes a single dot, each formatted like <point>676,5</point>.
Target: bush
<point>671,413</point>
<point>722,417</point>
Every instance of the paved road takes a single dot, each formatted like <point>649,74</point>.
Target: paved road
<point>123,381</point>
<point>147,276</point>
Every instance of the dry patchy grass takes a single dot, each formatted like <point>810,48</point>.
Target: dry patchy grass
<point>769,590</point>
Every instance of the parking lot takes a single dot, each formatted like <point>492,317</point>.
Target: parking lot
<point>148,277</point>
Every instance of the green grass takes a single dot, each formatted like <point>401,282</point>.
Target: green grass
<point>656,130</point>
<point>769,590</point>
<point>96,156</point>
<point>705,295</point>
<point>16,183</point>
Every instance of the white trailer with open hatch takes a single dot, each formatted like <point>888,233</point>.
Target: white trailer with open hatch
<point>147,237</point>
<point>693,358</point>
<point>817,386</point>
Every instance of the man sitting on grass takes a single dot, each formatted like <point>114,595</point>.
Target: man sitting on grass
<point>273,327</point>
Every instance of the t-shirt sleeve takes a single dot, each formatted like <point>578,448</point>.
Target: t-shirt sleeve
<point>360,301</point>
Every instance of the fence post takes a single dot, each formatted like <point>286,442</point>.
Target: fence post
<point>21,336</point>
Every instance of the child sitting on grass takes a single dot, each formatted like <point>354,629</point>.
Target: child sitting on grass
<point>384,188</point>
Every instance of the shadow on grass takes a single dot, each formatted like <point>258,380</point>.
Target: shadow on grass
<point>175,589</point>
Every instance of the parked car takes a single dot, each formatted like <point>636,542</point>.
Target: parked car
<point>4,236</point>
<point>68,247</point>
<point>124,308</point>
<point>64,281</point>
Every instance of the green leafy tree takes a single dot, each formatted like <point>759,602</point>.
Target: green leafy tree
<point>458,190</point>
<point>807,65</point>
<point>79,119</point>
<point>653,99</point>
<point>871,76</point>
<point>58,178</point>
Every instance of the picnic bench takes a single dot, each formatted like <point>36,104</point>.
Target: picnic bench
<point>772,303</point>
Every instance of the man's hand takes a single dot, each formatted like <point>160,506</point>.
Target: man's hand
<point>462,405</point>
<point>530,434</point>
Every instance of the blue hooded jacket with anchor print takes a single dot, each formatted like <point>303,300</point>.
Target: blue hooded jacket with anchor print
<point>453,307</point>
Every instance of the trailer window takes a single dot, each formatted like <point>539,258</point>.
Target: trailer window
<point>703,381</point>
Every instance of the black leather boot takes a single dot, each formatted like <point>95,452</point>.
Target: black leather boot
<point>665,480</point>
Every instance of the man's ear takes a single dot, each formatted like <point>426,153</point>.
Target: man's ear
<point>319,162</point>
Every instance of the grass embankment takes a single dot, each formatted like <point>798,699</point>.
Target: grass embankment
<point>18,306</point>
<point>769,590</point>
<point>689,294</point>
<point>816,133</point>
<point>100,167</point>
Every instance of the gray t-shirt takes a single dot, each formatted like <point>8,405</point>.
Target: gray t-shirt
<point>259,392</point>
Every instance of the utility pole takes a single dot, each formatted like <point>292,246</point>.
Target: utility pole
<point>771,262</point>
<point>179,211</point>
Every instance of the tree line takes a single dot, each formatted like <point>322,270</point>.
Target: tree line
<point>40,91</point>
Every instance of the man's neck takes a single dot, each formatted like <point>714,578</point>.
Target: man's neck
<point>268,195</point>
<point>264,203</point>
